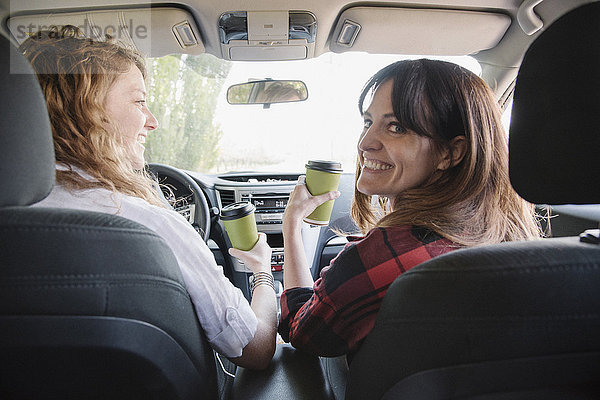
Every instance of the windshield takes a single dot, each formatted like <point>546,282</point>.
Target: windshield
<point>200,131</point>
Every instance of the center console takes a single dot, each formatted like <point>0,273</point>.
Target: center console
<point>269,194</point>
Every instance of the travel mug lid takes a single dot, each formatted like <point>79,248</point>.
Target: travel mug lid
<point>237,210</point>
<point>334,167</point>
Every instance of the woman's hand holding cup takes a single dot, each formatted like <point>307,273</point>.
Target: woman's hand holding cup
<point>301,203</point>
<point>257,259</point>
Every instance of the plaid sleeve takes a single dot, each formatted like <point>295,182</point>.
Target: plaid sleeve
<point>291,301</point>
<point>337,314</point>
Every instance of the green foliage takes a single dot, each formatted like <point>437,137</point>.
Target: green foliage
<point>182,94</point>
<point>239,94</point>
<point>301,89</point>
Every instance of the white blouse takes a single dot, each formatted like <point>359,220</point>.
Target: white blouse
<point>222,309</point>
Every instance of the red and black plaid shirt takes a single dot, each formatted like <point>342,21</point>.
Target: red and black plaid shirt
<point>334,316</point>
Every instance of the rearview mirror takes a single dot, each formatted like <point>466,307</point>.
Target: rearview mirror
<point>267,92</point>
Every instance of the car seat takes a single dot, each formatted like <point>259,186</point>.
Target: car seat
<point>91,305</point>
<point>516,320</point>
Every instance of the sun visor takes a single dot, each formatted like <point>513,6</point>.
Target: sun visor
<point>155,31</point>
<point>267,35</point>
<point>389,30</point>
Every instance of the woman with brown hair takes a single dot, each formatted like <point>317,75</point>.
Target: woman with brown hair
<point>96,98</point>
<point>432,176</point>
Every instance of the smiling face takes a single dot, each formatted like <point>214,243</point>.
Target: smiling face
<point>126,107</point>
<point>392,158</point>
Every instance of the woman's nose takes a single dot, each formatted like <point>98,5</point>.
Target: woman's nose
<point>151,121</point>
<point>369,140</point>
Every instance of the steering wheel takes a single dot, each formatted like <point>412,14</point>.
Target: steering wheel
<point>197,211</point>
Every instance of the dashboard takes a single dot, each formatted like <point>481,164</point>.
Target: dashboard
<point>269,193</point>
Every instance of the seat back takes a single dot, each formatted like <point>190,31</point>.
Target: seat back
<point>554,141</point>
<point>91,305</point>
<point>506,302</point>
<point>516,319</point>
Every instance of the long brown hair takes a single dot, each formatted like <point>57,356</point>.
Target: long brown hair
<point>76,74</point>
<point>471,203</point>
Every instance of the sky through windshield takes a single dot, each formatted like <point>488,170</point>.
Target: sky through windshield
<point>326,126</point>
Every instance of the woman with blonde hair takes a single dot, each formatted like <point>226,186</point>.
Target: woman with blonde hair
<point>96,98</point>
<point>432,176</point>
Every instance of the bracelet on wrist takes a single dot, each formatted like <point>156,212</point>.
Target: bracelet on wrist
<point>260,279</point>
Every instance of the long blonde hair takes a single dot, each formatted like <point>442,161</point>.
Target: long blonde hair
<point>75,74</point>
<point>472,203</point>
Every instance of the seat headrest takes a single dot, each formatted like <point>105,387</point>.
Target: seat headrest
<point>555,126</point>
<point>26,148</point>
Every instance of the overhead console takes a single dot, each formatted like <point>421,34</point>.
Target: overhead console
<point>267,35</point>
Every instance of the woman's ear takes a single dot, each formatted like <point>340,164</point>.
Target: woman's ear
<point>453,153</point>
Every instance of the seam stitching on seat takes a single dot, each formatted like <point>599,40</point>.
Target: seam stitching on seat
<point>86,276</point>
<point>513,318</point>
<point>95,285</point>
<point>524,269</point>
<point>78,229</point>
<point>106,300</point>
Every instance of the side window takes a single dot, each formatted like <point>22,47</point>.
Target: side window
<point>506,115</point>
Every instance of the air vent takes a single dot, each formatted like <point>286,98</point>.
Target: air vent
<point>227,197</point>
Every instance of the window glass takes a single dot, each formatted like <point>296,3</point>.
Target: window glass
<point>200,131</point>
<point>506,115</point>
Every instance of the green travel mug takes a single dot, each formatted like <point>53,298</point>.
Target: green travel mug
<point>240,224</point>
<point>322,177</point>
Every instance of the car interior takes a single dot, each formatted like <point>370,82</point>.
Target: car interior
<point>88,299</point>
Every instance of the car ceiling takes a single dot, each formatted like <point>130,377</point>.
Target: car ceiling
<point>381,29</point>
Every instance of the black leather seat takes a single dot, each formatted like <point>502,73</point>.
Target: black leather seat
<point>513,320</point>
<point>91,305</point>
